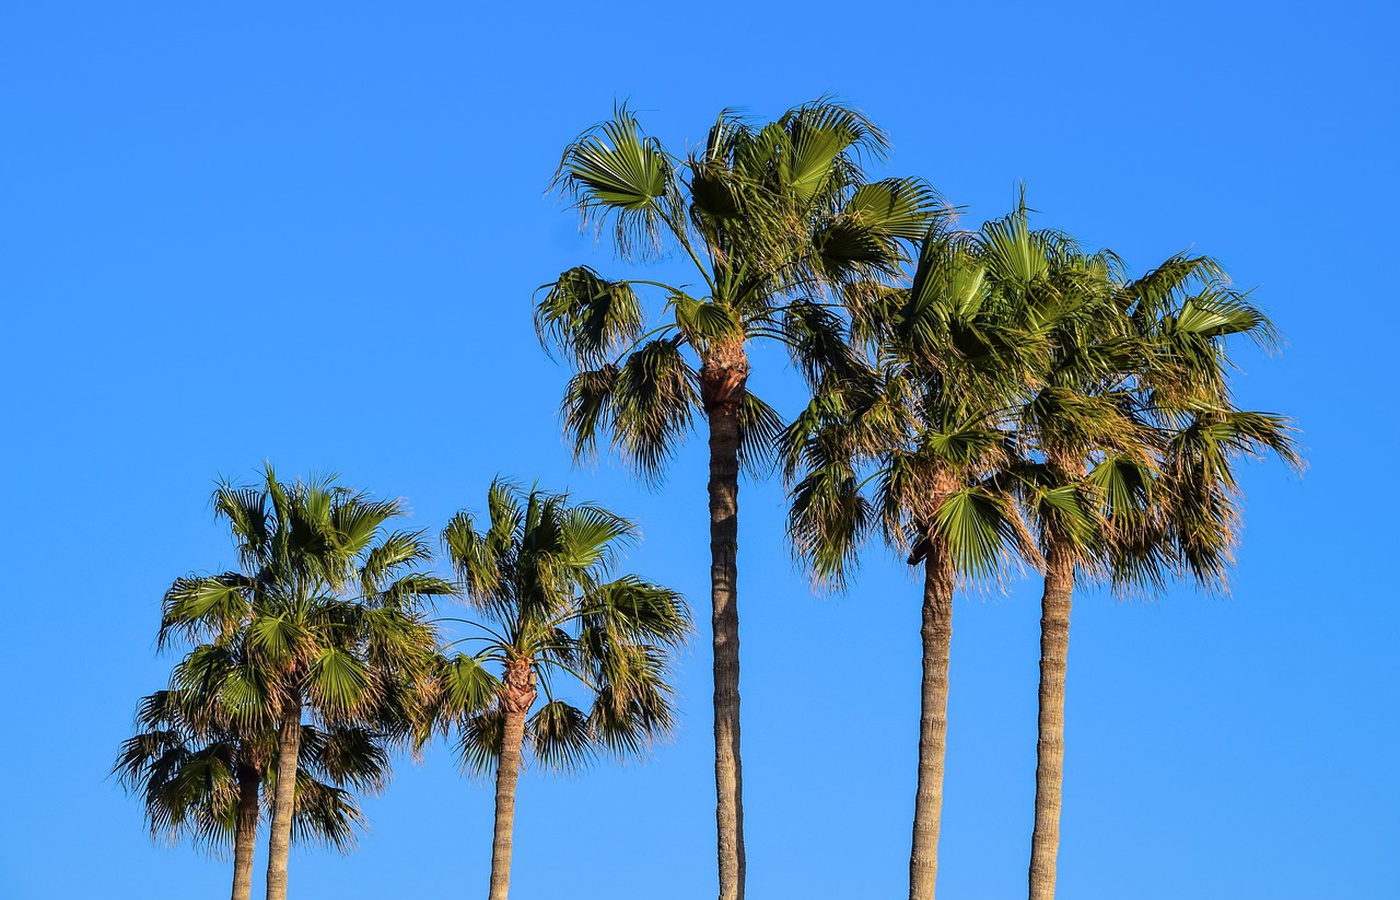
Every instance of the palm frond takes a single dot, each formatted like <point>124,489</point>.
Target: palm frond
<point>559,738</point>
<point>588,317</point>
<point>614,172</point>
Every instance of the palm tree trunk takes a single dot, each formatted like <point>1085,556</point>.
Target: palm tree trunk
<point>507,774</point>
<point>937,634</point>
<point>283,801</point>
<point>722,385</point>
<point>1050,745</point>
<point>245,836</point>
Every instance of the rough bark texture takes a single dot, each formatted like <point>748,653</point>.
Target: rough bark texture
<point>1050,746</point>
<point>937,633</point>
<point>516,698</point>
<point>284,801</point>
<point>722,380</point>
<point>245,836</point>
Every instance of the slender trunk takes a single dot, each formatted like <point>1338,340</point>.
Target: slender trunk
<point>937,634</point>
<point>516,699</point>
<point>722,383</point>
<point>1050,745</point>
<point>279,840</point>
<point>245,835</point>
<point>507,774</point>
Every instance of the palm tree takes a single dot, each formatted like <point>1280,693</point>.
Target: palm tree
<point>926,430</point>
<point>200,778</point>
<point>770,217</point>
<point>1126,462</point>
<point>538,575</point>
<point>329,606</point>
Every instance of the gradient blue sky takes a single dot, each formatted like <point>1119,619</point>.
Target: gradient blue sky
<point>309,233</point>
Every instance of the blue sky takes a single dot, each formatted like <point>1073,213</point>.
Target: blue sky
<point>237,232</point>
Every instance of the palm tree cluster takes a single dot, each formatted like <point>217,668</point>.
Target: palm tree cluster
<point>317,657</point>
<point>980,401</point>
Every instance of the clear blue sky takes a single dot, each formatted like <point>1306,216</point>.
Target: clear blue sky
<point>309,233</point>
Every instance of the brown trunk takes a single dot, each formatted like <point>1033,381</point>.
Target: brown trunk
<point>1050,746</point>
<point>279,840</point>
<point>937,633</point>
<point>722,380</point>
<point>516,698</point>
<point>245,835</point>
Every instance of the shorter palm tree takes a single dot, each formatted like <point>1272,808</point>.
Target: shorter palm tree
<point>538,577</point>
<point>1125,466</point>
<point>925,427</point>
<point>327,608</point>
<point>206,777</point>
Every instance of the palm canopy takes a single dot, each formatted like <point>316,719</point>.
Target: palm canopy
<point>772,217</point>
<point>1125,451</point>
<point>186,767</point>
<point>915,443</point>
<point>1187,315</point>
<point>327,605</point>
<point>537,573</point>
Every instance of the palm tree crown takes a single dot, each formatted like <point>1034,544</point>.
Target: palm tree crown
<point>187,773</point>
<point>771,217</point>
<point>537,574</point>
<point>326,611</point>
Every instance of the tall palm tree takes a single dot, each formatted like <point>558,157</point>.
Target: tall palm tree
<point>329,606</point>
<point>201,778</point>
<point>771,218</point>
<point>539,576</point>
<point>913,448</point>
<point>1126,463</point>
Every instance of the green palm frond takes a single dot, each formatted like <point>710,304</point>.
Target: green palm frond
<point>980,531</point>
<point>1014,254</point>
<point>867,235</point>
<point>760,427</point>
<point>638,611</point>
<point>338,682</point>
<point>246,511</point>
<point>587,409</point>
<point>816,339</point>
<point>703,322</point>
<point>588,317</point>
<point>652,404</point>
<point>634,707</point>
<point>411,590</point>
<point>393,553</point>
<point>591,537</point>
<point>558,735</point>
<point>205,606</point>
<point>1164,288</point>
<point>324,814</point>
<point>346,756</point>
<point>465,687</point>
<point>1124,484</point>
<point>614,172</point>
<point>278,637</point>
<point>479,742</point>
<point>473,557</point>
<point>828,520</point>
<point>823,141</point>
